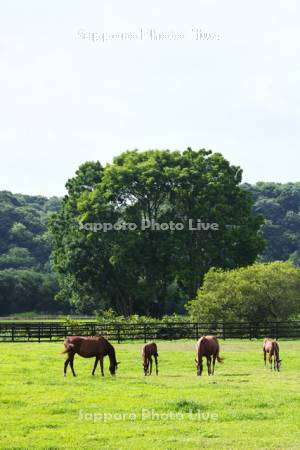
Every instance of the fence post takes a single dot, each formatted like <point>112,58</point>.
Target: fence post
<point>118,334</point>
<point>39,333</point>
<point>197,331</point>
<point>12,333</point>
<point>224,333</point>
<point>145,333</point>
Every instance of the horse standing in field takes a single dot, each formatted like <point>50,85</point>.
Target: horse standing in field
<point>90,347</point>
<point>207,346</point>
<point>150,350</point>
<point>271,346</point>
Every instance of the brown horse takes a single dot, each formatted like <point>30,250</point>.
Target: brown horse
<point>90,347</point>
<point>271,346</point>
<point>207,346</point>
<point>150,350</point>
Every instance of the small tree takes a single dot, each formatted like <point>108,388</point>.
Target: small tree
<point>261,292</point>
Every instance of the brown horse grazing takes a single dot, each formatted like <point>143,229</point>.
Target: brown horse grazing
<point>207,346</point>
<point>90,347</point>
<point>271,346</point>
<point>150,350</point>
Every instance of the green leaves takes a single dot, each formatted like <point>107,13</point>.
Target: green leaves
<point>280,204</point>
<point>151,271</point>
<point>262,292</point>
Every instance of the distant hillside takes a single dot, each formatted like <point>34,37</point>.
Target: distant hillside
<point>26,281</point>
<point>280,205</point>
<point>24,241</point>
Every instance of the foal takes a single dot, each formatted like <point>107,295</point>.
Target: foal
<point>150,350</point>
<point>89,347</point>
<point>207,346</point>
<point>271,346</point>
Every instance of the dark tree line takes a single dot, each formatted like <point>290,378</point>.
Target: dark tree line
<point>26,280</point>
<point>280,205</point>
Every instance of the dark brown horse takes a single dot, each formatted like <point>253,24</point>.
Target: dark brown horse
<point>150,350</point>
<point>207,346</point>
<point>90,347</point>
<point>271,346</point>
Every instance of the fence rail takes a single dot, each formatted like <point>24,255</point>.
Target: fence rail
<point>54,331</point>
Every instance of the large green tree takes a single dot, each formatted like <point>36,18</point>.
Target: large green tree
<point>151,271</point>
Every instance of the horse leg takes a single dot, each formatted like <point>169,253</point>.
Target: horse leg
<point>101,365</point>
<point>208,359</point>
<point>265,357</point>
<point>95,365</point>
<point>151,365</point>
<point>66,366</point>
<point>214,362</point>
<point>270,361</point>
<point>71,364</point>
<point>156,364</point>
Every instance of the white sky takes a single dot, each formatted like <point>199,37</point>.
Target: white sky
<point>65,100</point>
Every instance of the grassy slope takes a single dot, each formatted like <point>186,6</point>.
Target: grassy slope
<point>256,408</point>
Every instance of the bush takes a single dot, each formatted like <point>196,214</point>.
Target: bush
<point>262,292</point>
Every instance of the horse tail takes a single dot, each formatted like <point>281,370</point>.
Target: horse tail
<point>68,348</point>
<point>219,359</point>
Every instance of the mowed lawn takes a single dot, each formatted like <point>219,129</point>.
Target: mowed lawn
<point>244,406</point>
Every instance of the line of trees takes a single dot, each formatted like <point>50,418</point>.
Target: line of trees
<point>144,272</point>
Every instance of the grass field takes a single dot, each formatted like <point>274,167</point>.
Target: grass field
<point>243,406</point>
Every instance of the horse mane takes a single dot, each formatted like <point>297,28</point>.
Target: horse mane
<point>276,349</point>
<point>111,351</point>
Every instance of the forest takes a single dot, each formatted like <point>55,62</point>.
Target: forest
<point>49,265</point>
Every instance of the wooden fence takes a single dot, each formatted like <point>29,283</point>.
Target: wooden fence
<point>56,331</point>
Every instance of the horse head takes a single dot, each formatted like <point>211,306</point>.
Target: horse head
<point>278,364</point>
<point>113,367</point>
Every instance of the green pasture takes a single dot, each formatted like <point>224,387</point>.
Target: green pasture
<point>244,406</point>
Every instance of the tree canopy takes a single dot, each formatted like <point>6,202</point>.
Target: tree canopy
<point>261,292</point>
<point>151,271</point>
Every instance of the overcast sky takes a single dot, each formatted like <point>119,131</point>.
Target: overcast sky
<point>65,98</point>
